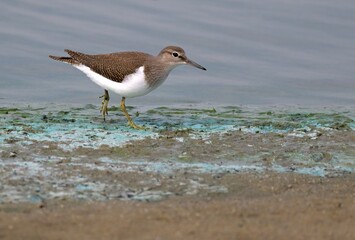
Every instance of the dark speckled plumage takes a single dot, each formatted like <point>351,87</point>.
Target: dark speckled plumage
<point>114,66</point>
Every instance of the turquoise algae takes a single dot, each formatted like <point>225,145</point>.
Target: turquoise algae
<point>51,152</point>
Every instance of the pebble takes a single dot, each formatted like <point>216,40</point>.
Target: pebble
<point>13,154</point>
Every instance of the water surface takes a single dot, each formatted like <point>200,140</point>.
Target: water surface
<point>256,52</point>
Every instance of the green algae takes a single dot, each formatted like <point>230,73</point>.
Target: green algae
<point>70,152</point>
<point>8,110</point>
<point>83,127</point>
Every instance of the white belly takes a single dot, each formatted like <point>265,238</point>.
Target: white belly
<point>133,85</point>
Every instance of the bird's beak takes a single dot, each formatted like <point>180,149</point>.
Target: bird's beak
<point>192,63</point>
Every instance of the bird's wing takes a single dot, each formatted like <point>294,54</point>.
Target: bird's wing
<point>114,66</point>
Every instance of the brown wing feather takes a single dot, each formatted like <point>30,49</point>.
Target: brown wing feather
<point>114,66</point>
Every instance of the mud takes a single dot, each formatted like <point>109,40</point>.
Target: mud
<point>69,153</point>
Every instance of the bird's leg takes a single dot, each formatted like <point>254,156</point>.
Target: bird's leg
<point>104,104</point>
<point>130,121</point>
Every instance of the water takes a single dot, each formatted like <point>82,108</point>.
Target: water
<point>256,52</point>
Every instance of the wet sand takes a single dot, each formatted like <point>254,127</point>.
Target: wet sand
<point>257,206</point>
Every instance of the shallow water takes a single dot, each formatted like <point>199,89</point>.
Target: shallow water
<point>68,152</point>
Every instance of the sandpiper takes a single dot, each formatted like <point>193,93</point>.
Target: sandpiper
<point>129,74</point>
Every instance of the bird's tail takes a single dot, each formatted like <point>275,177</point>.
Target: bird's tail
<point>68,60</point>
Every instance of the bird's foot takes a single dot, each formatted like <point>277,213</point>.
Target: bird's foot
<point>130,121</point>
<point>104,104</point>
<point>135,126</point>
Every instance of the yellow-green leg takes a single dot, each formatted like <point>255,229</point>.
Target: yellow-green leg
<point>130,121</point>
<point>104,104</point>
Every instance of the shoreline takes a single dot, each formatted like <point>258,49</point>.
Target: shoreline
<point>71,154</point>
<point>224,173</point>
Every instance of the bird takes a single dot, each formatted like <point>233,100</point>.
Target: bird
<point>129,74</point>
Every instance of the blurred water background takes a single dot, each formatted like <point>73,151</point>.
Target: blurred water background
<point>257,52</point>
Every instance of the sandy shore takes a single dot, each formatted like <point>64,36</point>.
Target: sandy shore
<point>196,173</point>
<point>257,206</point>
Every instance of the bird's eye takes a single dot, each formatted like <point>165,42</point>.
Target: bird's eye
<point>175,54</point>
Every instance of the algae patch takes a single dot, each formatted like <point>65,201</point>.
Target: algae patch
<point>66,152</point>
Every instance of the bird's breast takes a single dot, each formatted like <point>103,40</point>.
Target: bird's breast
<point>135,84</point>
